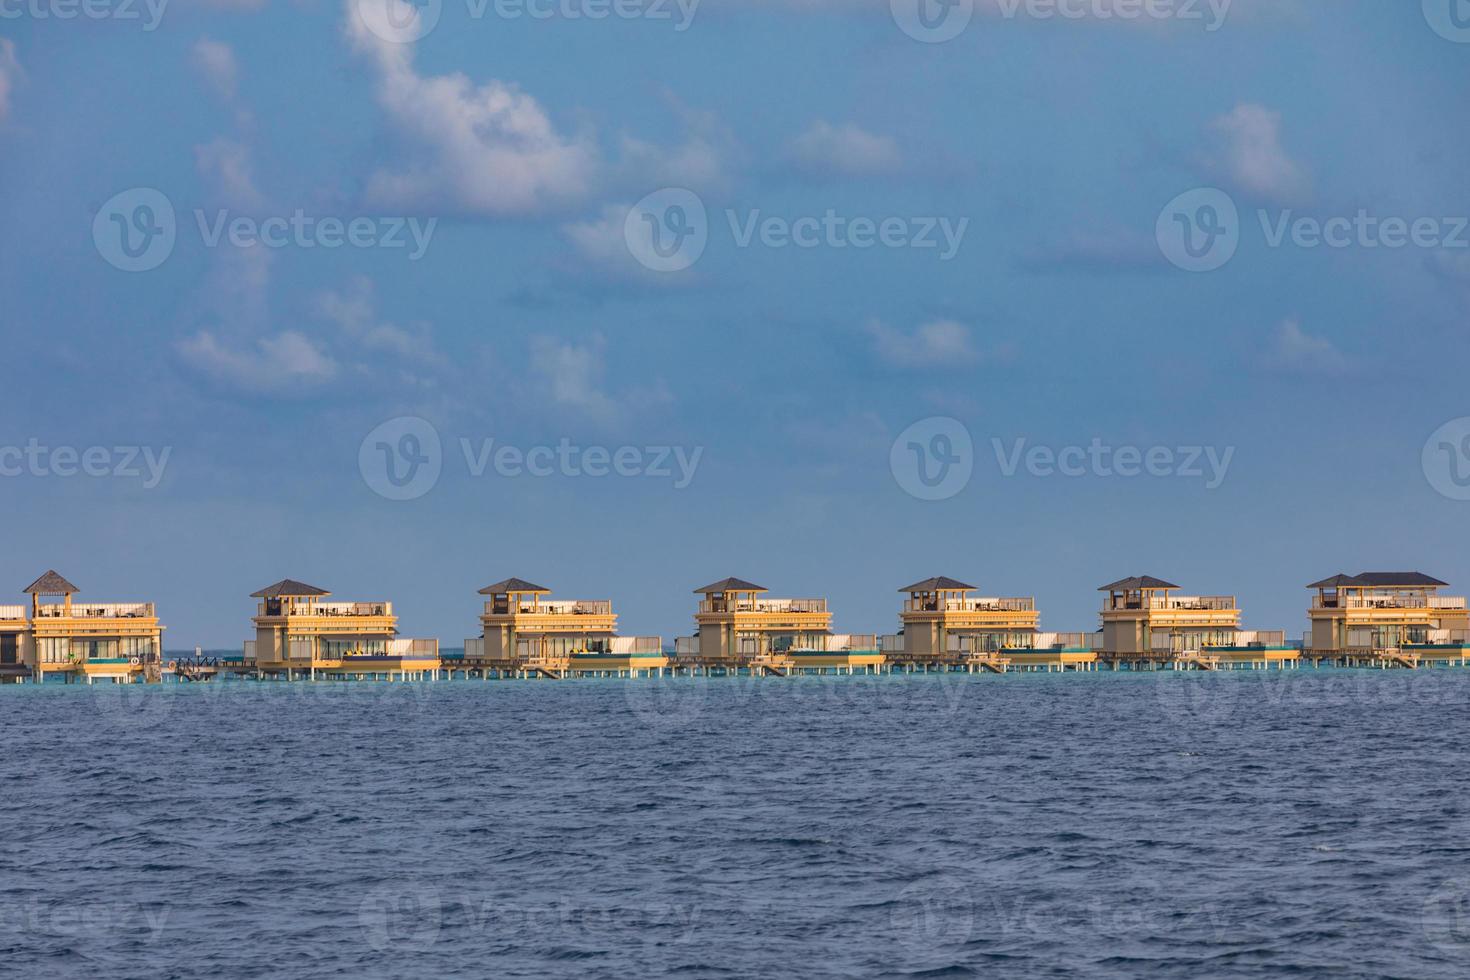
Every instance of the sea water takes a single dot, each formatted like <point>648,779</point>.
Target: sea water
<point>1155,825</point>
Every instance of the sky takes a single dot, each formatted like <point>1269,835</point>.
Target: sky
<point>832,295</point>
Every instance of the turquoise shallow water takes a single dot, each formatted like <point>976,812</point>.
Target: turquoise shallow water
<point>1024,826</point>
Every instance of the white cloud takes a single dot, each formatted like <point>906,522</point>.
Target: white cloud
<point>939,343</point>
<point>9,72</point>
<point>1251,154</point>
<point>353,310</point>
<point>225,166</point>
<point>573,377</point>
<point>1293,350</point>
<point>285,362</point>
<point>215,61</point>
<point>844,149</point>
<point>486,150</point>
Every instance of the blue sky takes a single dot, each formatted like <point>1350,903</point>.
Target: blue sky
<point>1059,318</point>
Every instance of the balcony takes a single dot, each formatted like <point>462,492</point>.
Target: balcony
<point>557,607</point>
<point>763,605</point>
<point>841,643</point>
<point>969,605</point>
<point>1171,603</point>
<point>627,646</point>
<point>12,612</point>
<point>1409,600</point>
<point>96,610</point>
<point>275,608</point>
<point>1195,641</point>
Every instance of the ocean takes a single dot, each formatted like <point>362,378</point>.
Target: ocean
<point>1132,825</point>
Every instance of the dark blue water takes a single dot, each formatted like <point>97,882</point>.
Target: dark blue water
<point>1113,825</point>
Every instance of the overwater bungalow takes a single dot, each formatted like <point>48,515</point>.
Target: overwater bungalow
<point>739,628</point>
<point>77,641</point>
<point>525,633</point>
<point>298,633</point>
<point>1145,624</point>
<point>1387,619</point>
<point>945,625</point>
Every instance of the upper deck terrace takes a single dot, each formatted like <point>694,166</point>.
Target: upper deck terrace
<point>1166,603</point>
<point>1388,600</point>
<point>754,605</point>
<point>921,604</point>
<point>278,608</point>
<point>549,607</point>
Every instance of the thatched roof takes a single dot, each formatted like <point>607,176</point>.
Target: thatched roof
<point>1136,583</point>
<point>51,584</point>
<point>730,585</point>
<point>938,583</point>
<point>289,588</point>
<point>513,585</point>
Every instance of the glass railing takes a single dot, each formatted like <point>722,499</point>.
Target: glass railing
<point>970,605</point>
<point>764,605</point>
<point>96,610</point>
<point>1171,603</point>
<point>1400,601</point>
<point>557,607</point>
<point>269,608</point>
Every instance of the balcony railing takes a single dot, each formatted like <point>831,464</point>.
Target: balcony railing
<point>557,607</point>
<point>1182,603</point>
<point>1197,640</point>
<point>839,643</point>
<point>890,643</point>
<point>97,610</point>
<point>12,612</point>
<point>632,645</point>
<point>970,605</point>
<point>764,605</point>
<point>1403,601</point>
<point>270,608</point>
<point>686,646</point>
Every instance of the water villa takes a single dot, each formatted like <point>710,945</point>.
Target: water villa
<point>1373,619</point>
<point>75,641</point>
<point>1387,619</point>
<point>945,626</point>
<point>739,629</point>
<point>525,634</point>
<point>1146,626</point>
<point>298,633</point>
